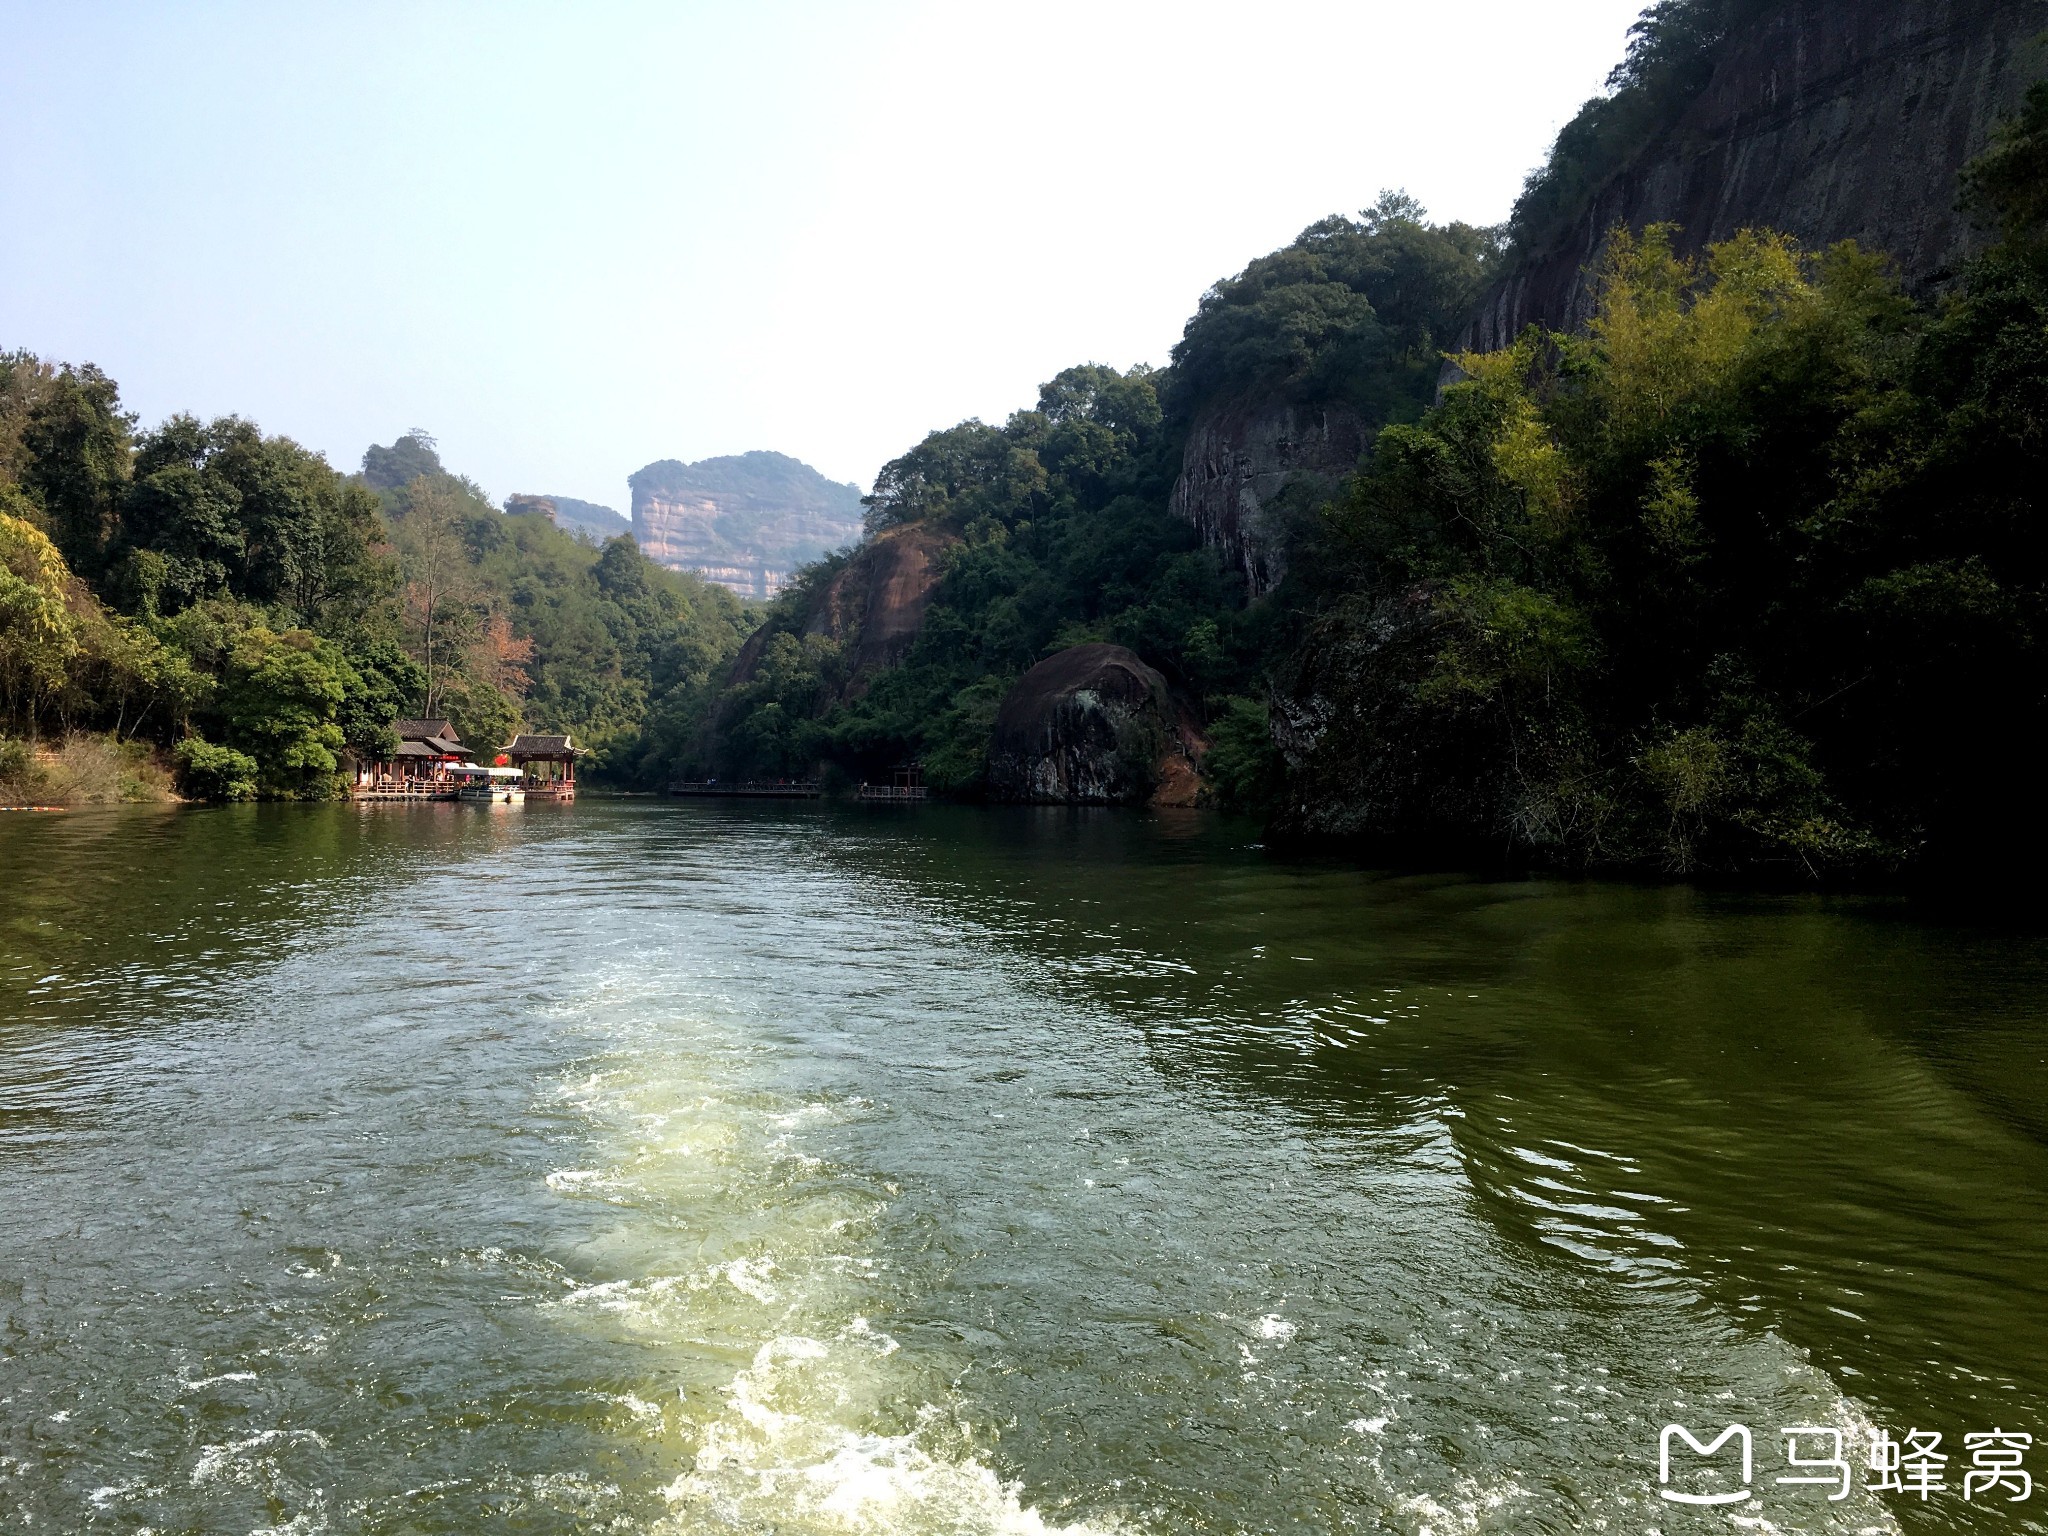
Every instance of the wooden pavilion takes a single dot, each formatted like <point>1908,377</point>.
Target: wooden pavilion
<point>419,769</point>
<point>549,763</point>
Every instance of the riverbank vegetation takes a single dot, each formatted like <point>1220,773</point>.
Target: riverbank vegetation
<point>247,617</point>
<point>83,768</point>
<point>1748,574</point>
<point>1742,576</point>
<point>1745,576</point>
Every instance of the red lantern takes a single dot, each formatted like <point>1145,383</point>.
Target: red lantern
<point>501,761</point>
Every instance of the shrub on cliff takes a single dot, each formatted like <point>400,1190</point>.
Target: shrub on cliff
<point>1745,574</point>
<point>1243,768</point>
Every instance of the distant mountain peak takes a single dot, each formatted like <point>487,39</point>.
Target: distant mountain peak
<point>744,520</point>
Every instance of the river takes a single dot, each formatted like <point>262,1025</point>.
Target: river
<point>656,1167</point>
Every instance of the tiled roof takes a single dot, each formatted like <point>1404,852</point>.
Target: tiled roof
<point>421,730</point>
<point>528,745</point>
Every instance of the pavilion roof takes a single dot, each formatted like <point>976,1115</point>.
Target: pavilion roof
<point>542,748</point>
<point>423,730</point>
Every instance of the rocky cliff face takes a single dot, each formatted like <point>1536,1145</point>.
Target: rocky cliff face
<point>1239,456</point>
<point>1828,119</point>
<point>1093,725</point>
<point>745,521</point>
<point>873,607</point>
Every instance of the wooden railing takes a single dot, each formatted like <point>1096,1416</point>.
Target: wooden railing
<point>893,792</point>
<point>405,789</point>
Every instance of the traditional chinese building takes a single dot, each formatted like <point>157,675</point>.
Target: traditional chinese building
<point>549,763</point>
<point>419,769</point>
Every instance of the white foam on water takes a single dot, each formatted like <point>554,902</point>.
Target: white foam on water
<point>750,1277</point>
<point>103,1498</point>
<point>817,1429</point>
<point>232,1461</point>
<point>782,1458</point>
<point>1474,1506</point>
<point>214,1381</point>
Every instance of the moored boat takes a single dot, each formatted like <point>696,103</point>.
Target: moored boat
<point>477,785</point>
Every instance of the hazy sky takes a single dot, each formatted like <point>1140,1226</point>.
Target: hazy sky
<point>569,240</point>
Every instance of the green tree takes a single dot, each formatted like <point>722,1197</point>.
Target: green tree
<point>74,445</point>
<point>220,509</point>
<point>210,772</point>
<point>38,634</point>
<point>1354,310</point>
<point>439,594</point>
<point>280,699</point>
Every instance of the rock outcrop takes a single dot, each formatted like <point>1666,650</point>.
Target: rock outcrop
<point>745,521</point>
<point>1829,120</point>
<point>1093,725</point>
<point>1240,455</point>
<point>873,607</point>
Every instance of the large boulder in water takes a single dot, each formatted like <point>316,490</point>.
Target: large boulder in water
<point>1093,725</point>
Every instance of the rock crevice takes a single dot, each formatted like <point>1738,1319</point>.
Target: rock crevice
<point>1239,456</point>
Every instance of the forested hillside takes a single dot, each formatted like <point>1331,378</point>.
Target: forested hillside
<point>587,520</point>
<point>1056,527</point>
<point>514,620</point>
<point>1745,574</point>
<point>203,596</point>
<point>1739,571</point>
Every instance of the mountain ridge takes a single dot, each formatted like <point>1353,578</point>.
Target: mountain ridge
<point>745,521</point>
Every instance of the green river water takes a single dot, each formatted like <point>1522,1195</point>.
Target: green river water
<point>671,1167</point>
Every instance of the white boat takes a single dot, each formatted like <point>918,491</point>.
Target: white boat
<point>489,786</point>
